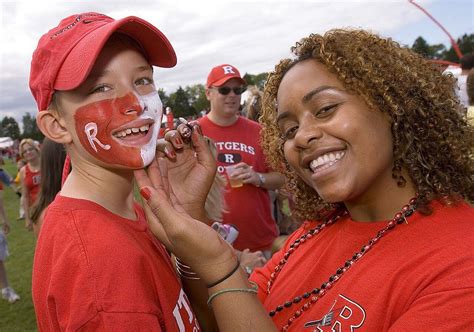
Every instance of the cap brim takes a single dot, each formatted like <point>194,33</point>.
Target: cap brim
<point>81,59</point>
<point>225,79</point>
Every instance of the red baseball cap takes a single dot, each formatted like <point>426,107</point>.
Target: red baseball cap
<point>221,74</point>
<point>66,54</point>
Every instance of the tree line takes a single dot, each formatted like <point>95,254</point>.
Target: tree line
<point>191,100</point>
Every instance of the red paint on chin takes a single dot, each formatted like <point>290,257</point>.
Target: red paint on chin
<point>108,115</point>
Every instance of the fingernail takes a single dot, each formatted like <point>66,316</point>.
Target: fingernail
<point>170,153</point>
<point>179,141</point>
<point>198,128</point>
<point>145,193</point>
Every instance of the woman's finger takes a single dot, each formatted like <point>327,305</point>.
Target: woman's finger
<point>174,137</point>
<point>164,147</point>
<point>142,179</point>
<point>203,151</point>
<point>154,174</point>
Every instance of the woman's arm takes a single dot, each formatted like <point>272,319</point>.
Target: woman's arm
<point>25,201</point>
<point>198,245</point>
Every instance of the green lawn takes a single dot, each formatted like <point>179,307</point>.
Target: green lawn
<point>19,316</point>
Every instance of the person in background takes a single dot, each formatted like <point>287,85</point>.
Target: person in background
<point>470,94</point>
<point>466,63</point>
<point>30,177</point>
<point>52,163</point>
<point>281,202</point>
<point>236,138</point>
<point>253,104</point>
<point>8,293</point>
<point>17,182</point>
<point>378,157</point>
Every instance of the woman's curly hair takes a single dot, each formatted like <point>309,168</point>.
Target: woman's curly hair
<point>431,137</point>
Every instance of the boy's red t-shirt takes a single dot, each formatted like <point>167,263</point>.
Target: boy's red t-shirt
<point>96,271</point>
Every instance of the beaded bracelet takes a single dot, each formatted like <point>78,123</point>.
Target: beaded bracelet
<point>253,290</point>
<point>185,271</point>
<point>225,277</point>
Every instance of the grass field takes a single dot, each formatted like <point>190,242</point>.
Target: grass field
<point>19,316</point>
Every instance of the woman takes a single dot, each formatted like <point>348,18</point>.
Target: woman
<point>30,176</point>
<point>376,152</point>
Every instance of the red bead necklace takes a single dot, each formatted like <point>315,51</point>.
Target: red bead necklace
<point>315,294</point>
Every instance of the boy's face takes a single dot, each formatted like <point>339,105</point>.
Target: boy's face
<point>115,114</point>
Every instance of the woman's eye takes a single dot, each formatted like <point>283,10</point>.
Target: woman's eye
<point>289,133</point>
<point>326,110</point>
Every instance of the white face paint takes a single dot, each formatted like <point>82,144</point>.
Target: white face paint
<point>153,107</point>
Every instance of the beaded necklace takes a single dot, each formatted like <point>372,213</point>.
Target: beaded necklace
<point>315,294</point>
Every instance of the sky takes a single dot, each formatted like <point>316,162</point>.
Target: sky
<point>251,35</point>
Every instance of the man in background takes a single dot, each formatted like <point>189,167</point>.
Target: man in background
<point>241,159</point>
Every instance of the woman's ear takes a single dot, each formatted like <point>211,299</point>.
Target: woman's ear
<point>53,127</point>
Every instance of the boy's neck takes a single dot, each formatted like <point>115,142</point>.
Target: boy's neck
<point>108,188</point>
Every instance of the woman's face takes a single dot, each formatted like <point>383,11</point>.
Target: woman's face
<point>29,152</point>
<point>332,140</point>
<point>115,114</point>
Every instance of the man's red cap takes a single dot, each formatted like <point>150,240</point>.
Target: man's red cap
<point>221,74</point>
<point>66,54</point>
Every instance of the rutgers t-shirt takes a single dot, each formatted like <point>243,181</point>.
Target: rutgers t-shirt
<point>248,206</point>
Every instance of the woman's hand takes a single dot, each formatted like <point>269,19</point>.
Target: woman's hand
<point>191,167</point>
<point>192,241</point>
<point>250,260</point>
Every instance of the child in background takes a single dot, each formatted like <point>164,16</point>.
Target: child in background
<point>53,156</point>
<point>7,292</point>
<point>30,176</point>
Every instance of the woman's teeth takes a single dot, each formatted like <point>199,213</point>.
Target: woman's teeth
<point>326,160</point>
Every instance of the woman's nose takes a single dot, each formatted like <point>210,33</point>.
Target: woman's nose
<point>309,131</point>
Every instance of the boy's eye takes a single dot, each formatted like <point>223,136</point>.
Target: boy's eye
<point>100,88</point>
<point>144,81</point>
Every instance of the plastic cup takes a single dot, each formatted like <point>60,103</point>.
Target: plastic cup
<point>234,182</point>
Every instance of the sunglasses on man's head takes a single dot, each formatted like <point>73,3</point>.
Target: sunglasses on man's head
<point>225,90</point>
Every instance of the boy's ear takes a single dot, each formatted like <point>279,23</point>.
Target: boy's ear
<point>208,92</point>
<point>53,127</point>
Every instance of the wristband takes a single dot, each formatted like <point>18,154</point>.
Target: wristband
<point>225,277</point>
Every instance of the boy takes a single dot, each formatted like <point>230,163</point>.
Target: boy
<point>97,266</point>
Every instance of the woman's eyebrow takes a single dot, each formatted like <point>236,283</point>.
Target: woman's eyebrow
<point>307,97</point>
